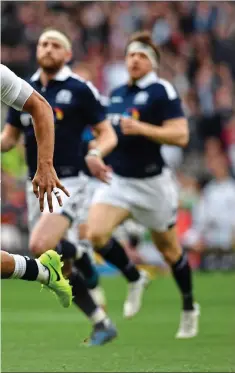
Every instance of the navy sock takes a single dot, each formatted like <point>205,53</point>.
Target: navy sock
<point>115,254</point>
<point>88,270</point>
<point>66,249</point>
<point>84,265</point>
<point>31,272</point>
<point>183,276</point>
<point>81,296</point>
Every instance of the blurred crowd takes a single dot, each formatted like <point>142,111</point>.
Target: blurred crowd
<point>197,40</point>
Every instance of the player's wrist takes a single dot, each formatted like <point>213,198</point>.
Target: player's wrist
<point>95,152</point>
<point>148,130</point>
<point>45,162</point>
<point>141,129</point>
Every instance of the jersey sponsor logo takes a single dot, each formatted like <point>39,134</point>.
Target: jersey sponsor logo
<point>64,97</point>
<point>151,168</point>
<point>141,98</point>
<point>129,113</point>
<point>114,118</point>
<point>116,99</point>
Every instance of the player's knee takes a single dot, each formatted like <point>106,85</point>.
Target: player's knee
<point>37,247</point>
<point>83,231</point>
<point>172,253</point>
<point>97,238</point>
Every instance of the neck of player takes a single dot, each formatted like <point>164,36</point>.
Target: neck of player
<point>46,77</point>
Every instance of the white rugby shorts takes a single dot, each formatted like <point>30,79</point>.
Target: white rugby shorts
<point>152,201</point>
<point>76,187</point>
<point>92,186</point>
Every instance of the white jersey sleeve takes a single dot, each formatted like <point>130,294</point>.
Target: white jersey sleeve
<point>14,90</point>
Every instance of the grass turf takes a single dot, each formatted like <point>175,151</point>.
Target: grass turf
<point>39,336</point>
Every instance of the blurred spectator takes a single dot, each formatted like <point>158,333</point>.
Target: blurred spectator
<point>228,136</point>
<point>213,217</point>
<point>205,16</point>
<point>84,71</point>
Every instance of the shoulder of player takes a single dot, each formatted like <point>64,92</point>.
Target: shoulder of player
<point>118,91</point>
<point>82,85</point>
<point>164,89</point>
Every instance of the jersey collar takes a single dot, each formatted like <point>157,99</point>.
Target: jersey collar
<point>62,75</point>
<point>147,80</point>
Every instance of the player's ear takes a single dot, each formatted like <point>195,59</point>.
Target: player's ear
<point>69,56</point>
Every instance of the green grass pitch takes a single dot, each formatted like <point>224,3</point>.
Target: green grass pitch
<point>39,336</point>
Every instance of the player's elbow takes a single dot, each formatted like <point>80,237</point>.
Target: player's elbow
<point>37,105</point>
<point>42,106</point>
<point>183,138</point>
<point>113,139</point>
<point>109,134</point>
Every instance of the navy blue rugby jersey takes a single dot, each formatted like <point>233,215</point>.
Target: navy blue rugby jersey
<point>75,104</point>
<point>87,136</point>
<point>151,100</point>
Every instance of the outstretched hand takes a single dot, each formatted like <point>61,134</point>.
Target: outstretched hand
<point>46,181</point>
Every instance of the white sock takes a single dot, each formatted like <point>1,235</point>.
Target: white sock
<point>99,316</point>
<point>79,251</point>
<point>43,273</point>
<point>85,246</point>
<point>20,266</point>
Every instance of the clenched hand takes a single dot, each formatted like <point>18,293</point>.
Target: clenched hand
<point>130,126</point>
<point>98,168</point>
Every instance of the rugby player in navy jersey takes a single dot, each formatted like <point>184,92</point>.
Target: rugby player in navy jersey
<point>146,112</point>
<point>130,272</point>
<point>17,93</point>
<point>75,104</point>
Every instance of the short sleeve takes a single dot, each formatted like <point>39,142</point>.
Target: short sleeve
<point>13,118</point>
<point>170,104</point>
<point>14,91</point>
<point>94,111</point>
<point>172,109</point>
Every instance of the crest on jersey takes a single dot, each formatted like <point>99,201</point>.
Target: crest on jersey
<point>116,99</point>
<point>141,98</point>
<point>63,97</point>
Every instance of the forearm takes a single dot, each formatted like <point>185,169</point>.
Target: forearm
<point>106,144</point>
<point>106,139</point>
<point>43,122</point>
<point>171,134</point>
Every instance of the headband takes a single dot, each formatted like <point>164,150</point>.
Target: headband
<point>54,34</point>
<point>138,47</point>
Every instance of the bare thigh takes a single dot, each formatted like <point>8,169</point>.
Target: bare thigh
<point>83,231</point>
<point>47,233</point>
<point>102,220</point>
